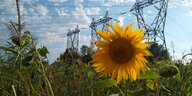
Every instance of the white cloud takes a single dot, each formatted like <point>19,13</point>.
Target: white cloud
<point>80,14</point>
<point>9,13</point>
<point>172,3</point>
<point>92,11</point>
<point>36,20</point>
<point>57,1</point>
<point>84,40</point>
<point>61,12</point>
<point>9,6</point>
<point>189,13</point>
<point>31,10</point>
<point>121,20</point>
<point>112,2</point>
<point>186,3</point>
<point>47,28</point>
<point>149,11</point>
<point>78,3</point>
<point>42,10</point>
<point>29,1</point>
<point>22,9</point>
<point>49,33</point>
<point>96,0</point>
<point>117,1</point>
<point>177,3</point>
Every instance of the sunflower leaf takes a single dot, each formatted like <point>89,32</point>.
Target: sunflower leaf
<point>168,71</point>
<point>114,95</point>
<point>90,73</point>
<point>8,49</point>
<point>151,84</point>
<point>43,51</point>
<point>149,75</point>
<point>105,83</point>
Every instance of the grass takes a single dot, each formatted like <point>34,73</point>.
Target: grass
<point>24,71</point>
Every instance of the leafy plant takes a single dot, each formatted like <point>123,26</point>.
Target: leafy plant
<point>28,66</point>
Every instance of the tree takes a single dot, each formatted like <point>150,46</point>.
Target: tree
<point>86,53</point>
<point>159,53</point>
<point>69,56</point>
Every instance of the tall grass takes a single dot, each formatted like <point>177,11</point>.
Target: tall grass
<point>24,71</point>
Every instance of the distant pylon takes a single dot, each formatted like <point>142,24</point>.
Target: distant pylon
<point>73,39</point>
<point>105,21</point>
<point>156,28</point>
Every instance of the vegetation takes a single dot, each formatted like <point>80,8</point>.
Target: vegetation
<point>24,71</point>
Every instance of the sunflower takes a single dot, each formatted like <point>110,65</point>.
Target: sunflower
<point>121,52</point>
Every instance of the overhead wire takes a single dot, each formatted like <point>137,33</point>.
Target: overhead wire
<point>63,3</point>
<point>179,25</point>
<point>175,38</point>
<point>68,6</point>
<point>54,15</point>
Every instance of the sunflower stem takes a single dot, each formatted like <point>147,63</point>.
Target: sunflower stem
<point>120,90</point>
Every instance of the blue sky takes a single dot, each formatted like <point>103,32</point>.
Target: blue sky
<point>46,19</point>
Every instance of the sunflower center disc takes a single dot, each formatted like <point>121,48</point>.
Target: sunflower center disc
<point>121,50</point>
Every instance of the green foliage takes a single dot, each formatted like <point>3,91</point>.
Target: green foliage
<point>43,51</point>
<point>148,75</point>
<point>159,52</point>
<point>69,56</point>
<point>168,71</point>
<point>151,84</point>
<point>24,71</point>
<point>86,53</point>
<point>105,83</point>
<point>8,49</point>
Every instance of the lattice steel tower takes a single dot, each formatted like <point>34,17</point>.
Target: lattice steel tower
<point>73,39</point>
<point>103,21</point>
<point>156,27</point>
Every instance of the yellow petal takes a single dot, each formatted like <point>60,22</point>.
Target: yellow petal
<point>133,74</point>
<point>119,76</point>
<point>124,72</point>
<point>104,35</point>
<point>118,28</point>
<point>101,44</point>
<point>125,30</point>
<point>107,62</point>
<point>129,31</point>
<point>115,31</point>
<point>115,71</point>
<point>141,45</point>
<point>96,64</point>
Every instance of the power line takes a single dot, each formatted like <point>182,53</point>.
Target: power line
<point>155,29</point>
<point>175,38</point>
<point>179,25</point>
<point>49,23</point>
<point>9,14</point>
<point>52,5</point>
<point>60,3</point>
<point>63,5</point>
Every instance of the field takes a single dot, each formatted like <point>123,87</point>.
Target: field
<point>120,61</point>
<point>25,71</point>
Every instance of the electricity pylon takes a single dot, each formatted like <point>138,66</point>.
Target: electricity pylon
<point>103,21</point>
<point>72,39</point>
<point>156,28</point>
